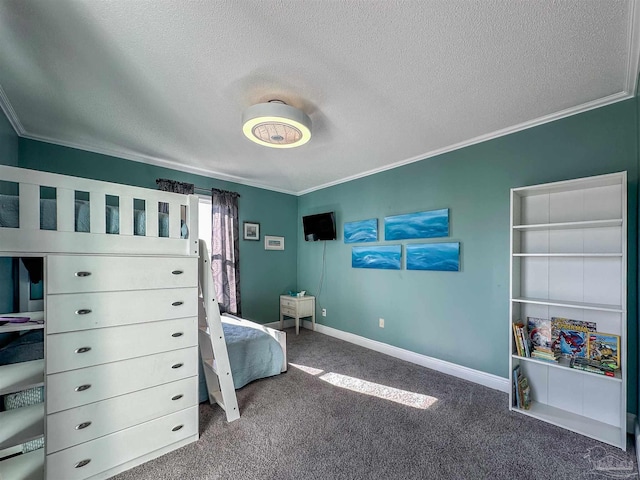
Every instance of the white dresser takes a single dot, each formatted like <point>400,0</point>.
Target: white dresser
<point>121,362</point>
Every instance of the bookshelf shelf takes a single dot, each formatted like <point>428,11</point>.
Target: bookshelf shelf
<point>567,304</point>
<point>616,222</point>
<point>576,255</point>
<point>568,260</point>
<point>563,363</point>
<point>576,423</point>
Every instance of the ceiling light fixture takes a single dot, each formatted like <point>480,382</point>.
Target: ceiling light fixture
<point>276,124</point>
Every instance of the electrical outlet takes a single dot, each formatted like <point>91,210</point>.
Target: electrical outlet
<point>381,322</point>
<point>324,312</point>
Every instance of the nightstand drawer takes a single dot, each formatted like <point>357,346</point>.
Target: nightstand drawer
<point>82,311</point>
<point>92,384</point>
<point>88,459</point>
<point>80,273</point>
<point>291,312</point>
<point>72,350</point>
<point>287,302</point>
<point>82,424</point>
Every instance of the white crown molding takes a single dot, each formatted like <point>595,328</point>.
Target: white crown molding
<point>10,113</point>
<point>476,376</point>
<point>633,65</point>
<point>602,102</point>
<point>160,162</point>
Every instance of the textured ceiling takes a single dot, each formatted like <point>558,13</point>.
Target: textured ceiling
<point>384,82</point>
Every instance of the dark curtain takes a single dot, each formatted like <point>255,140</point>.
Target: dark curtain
<point>225,263</point>
<point>172,186</point>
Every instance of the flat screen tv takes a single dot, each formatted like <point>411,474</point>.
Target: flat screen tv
<point>321,226</point>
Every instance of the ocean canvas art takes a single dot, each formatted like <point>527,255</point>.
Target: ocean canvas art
<point>432,224</point>
<point>434,256</point>
<point>387,257</point>
<point>362,231</point>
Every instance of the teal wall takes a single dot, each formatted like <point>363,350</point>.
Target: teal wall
<point>8,142</point>
<point>264,275</point>
<point>462,317</point>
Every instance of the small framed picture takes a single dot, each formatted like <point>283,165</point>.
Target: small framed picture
<point>273,243</point>
<point>251,231</point>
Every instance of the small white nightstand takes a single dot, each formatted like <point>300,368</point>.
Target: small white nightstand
<point>298,307</point>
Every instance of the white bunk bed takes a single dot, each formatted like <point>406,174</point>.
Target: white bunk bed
<point>120,324</point>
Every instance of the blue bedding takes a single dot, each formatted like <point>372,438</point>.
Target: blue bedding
<point>9,217</point>
<point>253,354</point>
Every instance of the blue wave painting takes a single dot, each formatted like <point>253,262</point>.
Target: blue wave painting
<point>434,223</point>
<point>443,257</point>
<point>386,257</point>
<point>363,231</point>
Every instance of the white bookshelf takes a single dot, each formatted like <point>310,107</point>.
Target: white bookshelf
<point>569,259</point>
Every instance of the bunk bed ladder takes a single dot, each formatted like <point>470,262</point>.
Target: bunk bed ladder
<point>213,349</point>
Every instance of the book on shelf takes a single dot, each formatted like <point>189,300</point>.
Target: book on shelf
<point>539,331</point>
<point>605,349</point>
<point>521,390</point>
<point>571,337</point>
<point>521,340</point>
<point>592,366</point>
<point>514,385</point>
<point>545,354</point>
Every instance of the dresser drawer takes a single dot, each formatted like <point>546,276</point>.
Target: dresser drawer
<point>80,273</point>
<point>72,350</point>
<point>80,387</point>
<point>288,311</point>
<point>81,311</point>
<point>120,447</point>
<point>82,424</point>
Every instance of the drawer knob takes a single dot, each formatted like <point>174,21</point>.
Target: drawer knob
<point>176,397</point>
<point>177,365</point>
<point>177,272</point>
<point>84,387</point>
<point>177,304</point>
<point>83,425</point>
<point>83,274</point>
<point>176,428</point>
<point>83,311</point>
<point>177,334</point>
<point>82,463</point>
<point>83,349</point>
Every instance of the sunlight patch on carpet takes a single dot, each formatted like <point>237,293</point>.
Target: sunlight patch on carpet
<point>411,399</point>
<point>309,370</point>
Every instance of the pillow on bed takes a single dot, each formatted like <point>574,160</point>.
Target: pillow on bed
<point>48,214</point>
<point>9,211</point>
<point>83,218</point>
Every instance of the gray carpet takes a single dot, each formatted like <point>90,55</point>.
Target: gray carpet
<point>299,426</point>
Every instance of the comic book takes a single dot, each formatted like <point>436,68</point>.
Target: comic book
<point>539,331</point>
<point>570,337</point>
<point>604,348</point>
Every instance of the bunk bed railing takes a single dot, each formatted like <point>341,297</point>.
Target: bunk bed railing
<point>92,216</point>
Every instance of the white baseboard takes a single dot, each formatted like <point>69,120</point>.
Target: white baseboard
<point>466,373</point>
